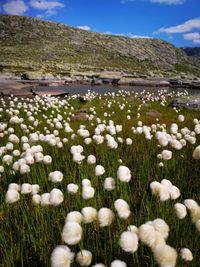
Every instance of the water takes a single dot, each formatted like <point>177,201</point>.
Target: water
<point>101,89</point>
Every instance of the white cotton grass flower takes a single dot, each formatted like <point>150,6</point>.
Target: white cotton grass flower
<point>55,177</point>
<point>159,240</point>
<point>89,214</point>
<point>72,233</point>
<point>167,183</point>
<point>7,159</point>
<point>165,190</point>
<point>56,197</point>
<point>26,188</point>
<point>191,204</point>
<point>39,157</point>
<point>86,183</point>
<point>78,158</point>
<point>166,155</point>
<point>118,263</point>
<point>1,169</point>
<point>16,153</point>
<point>160,164</point>
<point>47,160</point>
<point>45,199</point>
<point>196,153</point>
<point>24,168</point>
<point>129,241</point>
<point>186,254</point>
<point>155,188</point>
<point>105,217</point>
<point>91,159</point>
<point>84,257</point>
<point>74,216</point>
<point>88,192</point>
<point>181,211</point>
<point>164,193</point>
<point>176,144</point>
<point>124,174</point>
<point>147,234</point>
<point>12,196</point>
<point>61,257</point>
<point>133,229</point>
<point>36,199</point>
<point>181,118</point>
<point>129,141</point>
<point>35,188</point>
<point>122,208</point>
<point>162,227</point>
<point>109,184</point>
<point>165,255</point>
<point>14,186</point>
<point>174,192</point>
<point>99,170</point>
<point>76,149</point>
<point>9,146</point>
<point>163,140</point>
<point>72,188</point>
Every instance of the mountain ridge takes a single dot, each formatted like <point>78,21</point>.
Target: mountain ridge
<point>32,45</point>
<point>192,51</point>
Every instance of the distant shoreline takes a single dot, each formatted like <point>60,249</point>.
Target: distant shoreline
<point>28,88</point>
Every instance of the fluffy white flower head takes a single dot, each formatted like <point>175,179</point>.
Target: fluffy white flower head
<point>71,233</point>
<point>118,263</point>
<point>61,257</point>
<point>105,217</point>
<point>186,254</point>
<point>84,257</point>
<point>124,174</point>
<point>129,241</point>
<point>99,170</point>
<point>12,196</point>
<point>55,177</point>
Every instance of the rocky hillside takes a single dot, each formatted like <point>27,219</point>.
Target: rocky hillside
<point>192,51</point>
<point>38,46</point>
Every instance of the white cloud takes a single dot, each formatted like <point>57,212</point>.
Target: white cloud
<point>193,36</point>
<point>15,7</point>
<point>48,6</point>
<point>185,27</point>
<point>85,28</point>
<point>45,5</point>
<point>168,2</point>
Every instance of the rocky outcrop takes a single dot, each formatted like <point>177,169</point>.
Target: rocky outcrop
<point>186,103</point>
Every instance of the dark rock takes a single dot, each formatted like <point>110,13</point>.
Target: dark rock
<point>186,103</point>
<point>96,81</point>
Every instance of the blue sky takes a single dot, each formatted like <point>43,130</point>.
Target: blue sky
<point>176,21</point>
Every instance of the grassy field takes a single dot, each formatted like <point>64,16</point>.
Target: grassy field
<point>29,233</point>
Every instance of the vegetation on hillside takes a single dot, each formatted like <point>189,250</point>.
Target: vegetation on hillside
<point>30,44</point>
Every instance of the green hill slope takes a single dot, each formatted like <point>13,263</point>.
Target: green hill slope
<point>29,44</point>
